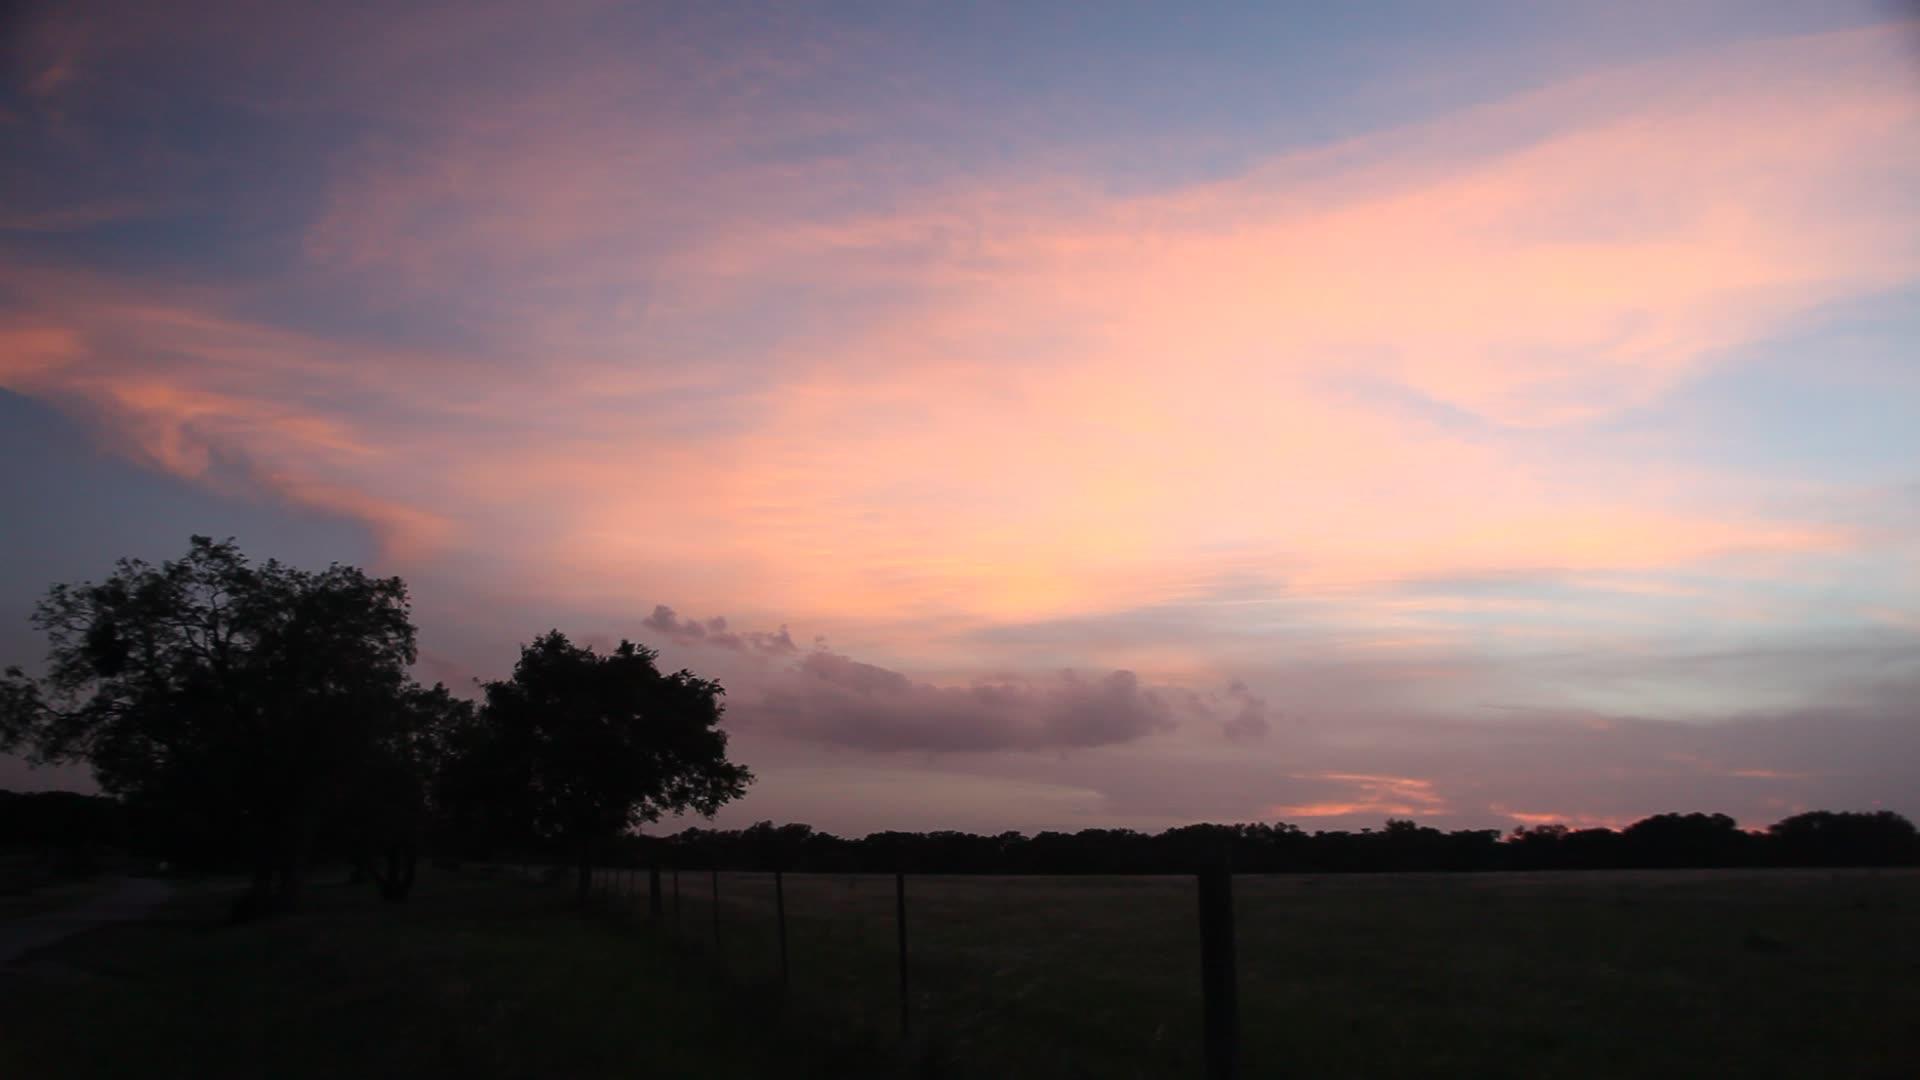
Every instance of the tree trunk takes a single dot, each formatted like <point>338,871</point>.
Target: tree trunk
<point>293,880</point>
<point>258,900</point>
<point>295,841</point>
<point>398,882</point>
<point>395,881</point>
<point>584,885</point>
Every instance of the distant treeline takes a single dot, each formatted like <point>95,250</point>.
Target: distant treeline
<point>60,829</point>
<point>61,825</point>
<point>72,831</point>
<point>1819,838</point>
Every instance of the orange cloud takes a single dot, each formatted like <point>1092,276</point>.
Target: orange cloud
<point>1372,795</point>
<point>30,352</point>
<point>1766,774</point>
<point>1577,821</point>
<point>225,412</point>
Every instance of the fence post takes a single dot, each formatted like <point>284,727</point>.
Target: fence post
<point>1218,985</point>
<point>653,891</point>
<point>780,919</point>
<point>900,919</point>
<point>716,910</point>
<point>676,901</point>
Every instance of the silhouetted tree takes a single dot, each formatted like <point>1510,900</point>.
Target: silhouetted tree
<point>387,814</point>
<point>1672,840</point>
<point>64,831</point>
<point>577,748</point>
<point>253,698</point>
<point>1825,838</point>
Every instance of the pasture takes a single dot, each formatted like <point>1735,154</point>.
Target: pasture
<point>1680,973</point>
<point>1788,973</point>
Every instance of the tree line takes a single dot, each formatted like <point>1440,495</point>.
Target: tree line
<point>1817,838</point>
<point>62,825</point>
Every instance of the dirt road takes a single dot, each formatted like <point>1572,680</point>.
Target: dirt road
<point>126,899</point>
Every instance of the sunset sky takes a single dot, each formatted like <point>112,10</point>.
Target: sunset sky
<point>1036,415</point>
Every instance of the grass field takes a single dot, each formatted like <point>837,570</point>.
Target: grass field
<point>1566,975</point>
<point>475,979</point>
<point>1752,973</point>
<point>21,896</point>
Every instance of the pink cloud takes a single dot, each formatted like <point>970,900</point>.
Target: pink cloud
<point>832,698</point>
<point>1396,795</point>
<point>1577,821</point>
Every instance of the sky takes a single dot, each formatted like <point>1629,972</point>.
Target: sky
<point>1037,416</point>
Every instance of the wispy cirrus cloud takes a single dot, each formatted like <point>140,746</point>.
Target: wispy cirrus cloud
<point>1136,380</point>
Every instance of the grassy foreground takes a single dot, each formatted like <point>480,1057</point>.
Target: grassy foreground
<point>1770,973</point>
<point>21,898</point>
<point>1680,974</point>
<point>475,978</point>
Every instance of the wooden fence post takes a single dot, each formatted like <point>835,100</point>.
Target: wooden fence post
<point>780,918</point>
<point>676,901</point>
<point>653,891</point>
<point>900,920</point>
<point>1218,985</point>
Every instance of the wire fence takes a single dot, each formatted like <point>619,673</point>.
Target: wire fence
<point>1365,974</point>
<point>1136,971</point>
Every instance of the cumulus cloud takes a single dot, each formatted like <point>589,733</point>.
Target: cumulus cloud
<point>714,632</point>
<point>667,622</point>
<point>833,698</point>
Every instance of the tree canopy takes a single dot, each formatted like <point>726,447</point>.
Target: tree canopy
<point>579,747</point>
<point>260,697</point>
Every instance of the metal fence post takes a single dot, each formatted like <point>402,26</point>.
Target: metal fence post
<point>780,919</point>
<point>1218,984</point>
<point>900,920</point>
